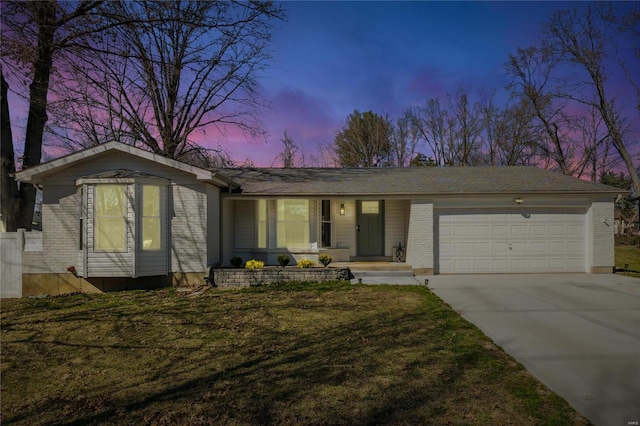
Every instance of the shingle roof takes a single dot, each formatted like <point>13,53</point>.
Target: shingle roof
<point>410,181</point>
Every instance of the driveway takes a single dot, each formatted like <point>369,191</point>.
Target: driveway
<point>577,333</point>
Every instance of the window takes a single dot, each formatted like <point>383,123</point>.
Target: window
<point>326,223</point>
<point>151,223</point>
<point>110,218</point>
<point>370,207</point>
<point>262,223</point>
<point>293,223</point>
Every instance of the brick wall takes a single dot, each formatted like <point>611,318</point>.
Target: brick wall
<point>420,237</point>
<point>602,238</point>
<point>234,278</point>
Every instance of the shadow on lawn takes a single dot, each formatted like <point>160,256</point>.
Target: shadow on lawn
<point>372,367</point>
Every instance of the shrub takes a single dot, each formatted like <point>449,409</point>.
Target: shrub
<point>283,260</point>
<point>325,259</point>
<point>306,263</point>
<point>254,264</point>
<point>236,261</point>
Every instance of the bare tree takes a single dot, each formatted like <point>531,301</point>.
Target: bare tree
<point>34,34</point>
<point>532,70</point>
<point>184,66</point>
<point>404,141</point>
<point>451,129</point>
<point>364,141</point>
<point>515,136</point>
<point>141,72</point>
<point>289,151</point>
<point>581,38</point>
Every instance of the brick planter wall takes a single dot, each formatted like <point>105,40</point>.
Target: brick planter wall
<point>238,277</point>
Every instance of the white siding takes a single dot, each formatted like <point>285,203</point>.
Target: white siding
<point>61,230</point>
<point>420,247</point>
<point>394,225</point>
<point>11,264</point>
<point>346,227</point>
<point>188,228</point>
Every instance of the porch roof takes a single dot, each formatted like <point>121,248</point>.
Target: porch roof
<point>409,181</point>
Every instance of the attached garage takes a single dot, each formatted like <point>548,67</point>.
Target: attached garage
<point>512,240</point>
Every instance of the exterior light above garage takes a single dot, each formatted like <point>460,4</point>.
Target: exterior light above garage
<point>519,201</point>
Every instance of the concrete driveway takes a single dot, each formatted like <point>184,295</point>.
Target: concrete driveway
<point>577,333</point>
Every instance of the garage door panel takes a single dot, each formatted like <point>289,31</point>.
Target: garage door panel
<point>519,265</point>
<point>518,247</point>
<point>462,230</point>
<point>556,231</point>
<point>463,265</point>
<point>482,230</point>
<point>539,265</point>
<point>500,265</point>
<point>537,230</point>
<point>500,247</point>
<point>537,241</point>
<point>482,265</point>
<point>575,247</point>
<point>500,231</point>
<point>557,247</point>
<point>462,248</point>
<point>519,230</point>
<point>538,247</point>
<point>481,248</point>
<point>576,263</point>
<point>575,230</point>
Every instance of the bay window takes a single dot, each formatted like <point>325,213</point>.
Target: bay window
<point>151,223</point>
<point>110,218</point>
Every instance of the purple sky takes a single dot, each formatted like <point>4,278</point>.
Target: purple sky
<point>333,57</point>
<point>330,58</point>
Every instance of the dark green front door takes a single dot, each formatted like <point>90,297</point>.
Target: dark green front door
<point>370,227</point>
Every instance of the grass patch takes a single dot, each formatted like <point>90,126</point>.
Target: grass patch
<point>628,254</point>
<point>326,353</point>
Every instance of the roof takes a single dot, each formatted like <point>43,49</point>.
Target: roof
<point>409,181</point>
<point>37,174</point>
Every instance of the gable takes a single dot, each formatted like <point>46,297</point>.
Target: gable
<point>114,156</point>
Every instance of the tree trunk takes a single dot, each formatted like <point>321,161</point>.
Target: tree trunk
<point>9,200</point>
<point>37,109</point>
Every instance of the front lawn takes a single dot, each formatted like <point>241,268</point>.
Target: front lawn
<point>292,354</point>
<point>628,255</point>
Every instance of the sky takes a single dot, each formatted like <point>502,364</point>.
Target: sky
<point>331,58</point>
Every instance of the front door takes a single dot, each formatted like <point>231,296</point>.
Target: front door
<point>370,227</point>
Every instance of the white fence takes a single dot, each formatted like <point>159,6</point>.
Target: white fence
<point>12,245</point>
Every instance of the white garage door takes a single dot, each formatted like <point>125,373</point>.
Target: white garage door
<point>502,241</point>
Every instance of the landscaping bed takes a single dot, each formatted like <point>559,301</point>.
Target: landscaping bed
<point>316,354</point>
<point>238,277</point>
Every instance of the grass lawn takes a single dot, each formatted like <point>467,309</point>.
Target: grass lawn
<point>292,354</point>
<point>628,254</point>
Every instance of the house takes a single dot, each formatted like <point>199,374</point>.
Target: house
<point>115,212</point>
